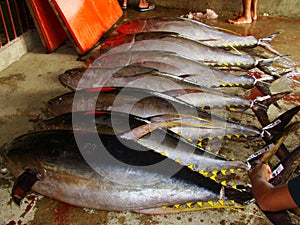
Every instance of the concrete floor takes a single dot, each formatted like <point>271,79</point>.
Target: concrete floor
<point>31,81</point>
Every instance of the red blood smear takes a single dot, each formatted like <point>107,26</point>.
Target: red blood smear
<point>11,223</point>
<point>294,97</point>
<point>103,89</point>
<point>256,75</point>
<point>60,213</point>
<point>119,40</point>
<point>254,93</point>
<point>132,27</point>
<point>32,199</point>
<point>95,112</point>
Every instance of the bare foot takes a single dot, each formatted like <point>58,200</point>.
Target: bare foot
<point>240,20</point>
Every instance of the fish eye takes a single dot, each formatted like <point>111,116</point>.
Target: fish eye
<point>60,100</point>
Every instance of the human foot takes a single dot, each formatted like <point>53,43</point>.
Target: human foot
<point>144,8</point>
<point>240,20</point>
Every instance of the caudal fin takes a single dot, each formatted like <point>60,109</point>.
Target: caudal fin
<point>265,65</point>
<point>267,40</point>
<point>276,127</point>
<point>289,164</point>
<point>268,100</point>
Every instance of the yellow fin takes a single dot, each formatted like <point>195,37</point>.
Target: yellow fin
<point>189,204</point>
<point>213,178</point>
<point>215,172</point>
<point>211,203</point>
<point>163,154</point>
<point>223,172</point>
<point>200,204</point>
<point>176,206</point>
<point>191,167</point>
<point>224,183</point>
<point>202,172</point>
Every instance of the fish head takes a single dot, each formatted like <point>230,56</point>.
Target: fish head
<point>60,104</point>
<point>71,76</point>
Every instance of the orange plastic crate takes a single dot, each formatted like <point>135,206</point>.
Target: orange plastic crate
<point>86,20</point>
<point>50,30</point>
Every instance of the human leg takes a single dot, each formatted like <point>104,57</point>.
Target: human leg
<point>124,6</point>
<point>246,16</point>
<point>144,5</point>
<point>254,9</point>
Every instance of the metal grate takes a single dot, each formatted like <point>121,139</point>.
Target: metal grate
<point>14,20</point>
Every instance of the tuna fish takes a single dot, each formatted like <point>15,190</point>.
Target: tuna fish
<point>102,172</point>
<point>171,42</point>
<point>142,104</point>
<point>194,30</point>
<point>204,77</point>
<point>138,102</point>
<point>186,88</point>
<point>107,122</point>
<point>173,63</point>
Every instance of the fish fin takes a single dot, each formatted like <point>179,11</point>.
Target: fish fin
<point>23,185</point>
<point>192,207</point>
<point>286,167</point>
<point>275,128</point>
<point>263,155</point>
<point>268,100</point>
<point>265,65</point>
<point>267,40</point>
<point>268,61</point>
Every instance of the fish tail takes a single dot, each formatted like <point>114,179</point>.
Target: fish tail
<point>266,101</point>
<point>286,167</point>
<point>242,195</point>
<point>23,185</point>
<point>269,61</point>
<point>267,40</point>
<point>275,128</point>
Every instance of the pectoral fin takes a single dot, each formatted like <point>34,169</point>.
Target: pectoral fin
<point>23,185</point>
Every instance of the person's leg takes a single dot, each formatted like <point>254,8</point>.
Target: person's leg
<point>124,6</point>
<point>145,5</point>
<point>246,16</point>
<point>254,9</point>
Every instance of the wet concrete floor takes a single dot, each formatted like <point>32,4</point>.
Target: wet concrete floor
<point>29,83</point>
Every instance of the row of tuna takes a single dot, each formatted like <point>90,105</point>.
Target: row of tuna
<point>142,126</point>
